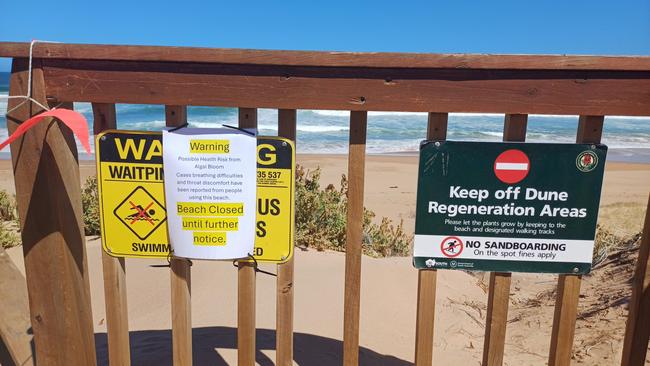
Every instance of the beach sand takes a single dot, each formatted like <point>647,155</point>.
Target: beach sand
<point>389,291</point>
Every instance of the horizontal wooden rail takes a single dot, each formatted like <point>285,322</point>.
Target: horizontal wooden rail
<point>323,58</point>
<point>343,81</point>
<point>357,89</point>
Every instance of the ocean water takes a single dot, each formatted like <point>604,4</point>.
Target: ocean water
<point>326,132</point>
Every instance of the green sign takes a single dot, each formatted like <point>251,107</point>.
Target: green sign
<point>507,207</point>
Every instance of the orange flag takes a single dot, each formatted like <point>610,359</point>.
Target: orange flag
<point>74,120</point>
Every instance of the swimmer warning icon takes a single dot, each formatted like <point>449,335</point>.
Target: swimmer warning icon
<point>141,213</point>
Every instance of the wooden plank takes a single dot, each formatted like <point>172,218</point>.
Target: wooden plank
<point>181,294</point>
<point>114,269</point>
<point>354,236</point>
<point>48,195</point>
<point>104,117</point>
<point>496,318</point>
<point>389,89</point>
<point>14,319</point>
<point>514,129</point>
<point>426,308</point>
<point>590,129</point>
<point>180,277</point>
<point>246,282</point>
<point>564,320</point>
<point>424,323</point>
<point>117,320</point>
<point>637,330</point>
<point>323,58</point>
<point>284,300</point>
<point>437,126</point>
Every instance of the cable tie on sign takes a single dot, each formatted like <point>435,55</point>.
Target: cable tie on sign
<point>255,266</point>
<point>171,256</point>
<point>240,129</point>
<point>178,127</point>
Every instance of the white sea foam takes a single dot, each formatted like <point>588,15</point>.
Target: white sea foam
<point>322,128</point>
<point>326,131</point>
<point>335,113</point>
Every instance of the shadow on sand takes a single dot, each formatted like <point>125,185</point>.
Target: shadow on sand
<point>153,347</point>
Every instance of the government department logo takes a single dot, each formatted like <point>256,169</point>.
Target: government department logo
<point>587,161</point>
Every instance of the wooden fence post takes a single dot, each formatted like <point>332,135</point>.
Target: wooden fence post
<point>354,236</point>
<point>48,196</point>
<point>115,300</point>
<point>284,300</point>
<point>590,129</point>
<point>637,330</point>
<point>246,282</point>
<point>426,308</point>
<point>14,320</point>
<point>514,129</point>
<point>181,277</point>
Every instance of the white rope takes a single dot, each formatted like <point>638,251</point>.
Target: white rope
<point>27,97</point>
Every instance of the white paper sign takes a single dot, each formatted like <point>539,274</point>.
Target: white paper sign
<point>210,192</point>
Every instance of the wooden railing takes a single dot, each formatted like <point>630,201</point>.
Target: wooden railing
<point>47,174</point>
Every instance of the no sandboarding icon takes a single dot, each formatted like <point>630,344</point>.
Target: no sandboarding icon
<point>451,246</point>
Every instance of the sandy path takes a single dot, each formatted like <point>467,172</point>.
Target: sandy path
<point>388,300</point>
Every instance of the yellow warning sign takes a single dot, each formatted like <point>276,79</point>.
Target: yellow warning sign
<point>131,194</point>
<point>132,199</point>
<point>275,200</point>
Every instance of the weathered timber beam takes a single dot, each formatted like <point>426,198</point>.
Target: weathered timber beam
<point>361,89</point>
<point>323,58</point>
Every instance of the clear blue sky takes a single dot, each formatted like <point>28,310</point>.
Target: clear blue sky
<point>611,27</point>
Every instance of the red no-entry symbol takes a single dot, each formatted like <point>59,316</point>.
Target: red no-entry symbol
<point>451,246</point>
<point>511,166</point>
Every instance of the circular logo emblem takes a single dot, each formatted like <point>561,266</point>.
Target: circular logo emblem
<point>587,161</point>
<point>453,264</point>
<point>451,247</point>
<point>511,166</point>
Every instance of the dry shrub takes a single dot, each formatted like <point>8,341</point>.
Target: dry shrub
<point>321,220</point>
<point>8,236</point>
<point>7,207</point>
<point>90,206</point>
<point>606,242</point>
